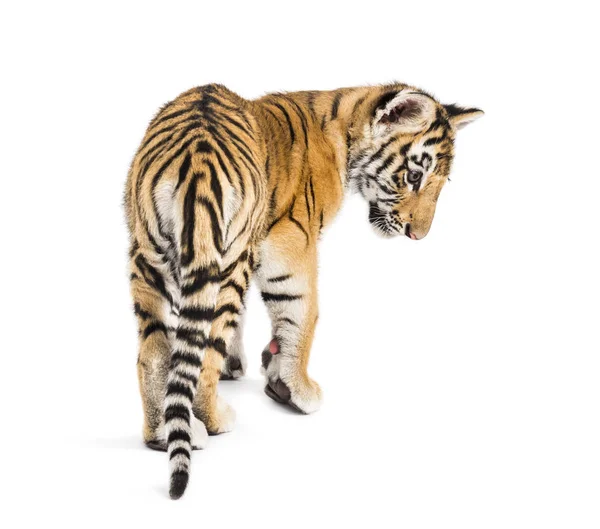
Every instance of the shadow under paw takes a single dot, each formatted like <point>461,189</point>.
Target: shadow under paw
<point>280,393</point>
<point>154,444</point>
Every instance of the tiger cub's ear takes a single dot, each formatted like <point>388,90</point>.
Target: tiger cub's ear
<point>460,117</point>
<point>407,112</point>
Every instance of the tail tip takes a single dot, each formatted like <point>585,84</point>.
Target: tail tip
<point>179,481</point>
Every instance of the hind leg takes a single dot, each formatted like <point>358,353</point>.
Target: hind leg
<point>209,407</point>
<point>235,364</point>
<point>153,358</point>
<point>154,312</point>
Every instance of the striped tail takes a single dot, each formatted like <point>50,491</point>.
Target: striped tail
<point>193,328</point>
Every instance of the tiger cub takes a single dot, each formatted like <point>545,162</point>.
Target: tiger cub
<point>222,190</point>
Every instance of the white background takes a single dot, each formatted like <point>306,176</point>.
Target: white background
<point>461,372</point>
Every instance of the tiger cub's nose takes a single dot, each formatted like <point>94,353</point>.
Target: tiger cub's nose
<point>409,233</point>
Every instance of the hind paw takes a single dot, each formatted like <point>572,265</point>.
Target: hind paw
<point>234,367</point>
<point>220,418</point>
<point>199,437</point>
<point>225,420</point>
<point>199,434</point>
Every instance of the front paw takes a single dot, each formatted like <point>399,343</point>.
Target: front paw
<point>303,395</point>
<point>288,384</point>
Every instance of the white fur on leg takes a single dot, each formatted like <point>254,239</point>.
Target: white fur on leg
<point>306,397</point>
<point>199,434</point>
<point>226,416</point>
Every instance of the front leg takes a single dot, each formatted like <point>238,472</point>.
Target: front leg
<point>288,282</point>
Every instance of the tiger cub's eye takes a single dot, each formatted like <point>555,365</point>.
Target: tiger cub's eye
<point>413,177</point>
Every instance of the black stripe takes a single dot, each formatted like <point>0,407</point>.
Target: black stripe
<point>156,246</point>
<point>178,388</point>
<point>226,152</point>
<point>311,103</point>
<point>306,199</point>
<point>236,124</point>
<point>275,116</point>
<point>336,105</point>
<point>224,171</point>
<point>249,161</point>
<point>216,228</point>
<point>210,96</point>
<point>161,119</point>
<point>384,187</point>
<point>288,119</point>
<point>177,411</point>
<point>241,232</point>
<point>197,313</point>
<point>153,277</point>
<point>190,378</point>
<point>405,148</point>
<point>385,99</point>
<point>239,143</point>
<point>166,129</point>
<point>178,435</point>
<point>159,173</point>
<point>155,326</point>
<point>278,219</point>
<point>218,344</point>
<point>191,359</point>
<point>388,161</point>
<point>279,279</point>
<point>303,120</point>
<point>189,221</point>
<point>236,286</point>
<point>138,311</point>
<point>135,246</point>
<point>215,186</point>
<point>183,170</point>
<point>380,153</point>
<point>150,156</point>
<point>435,125</point>
<point>242,258</point>
<point>268,296</point>
<point>359,102</point>
<point>191,337</point>
<point>299,226</point>
<point>203,147</point>
<point>180,451</point>
<point>202,277</point>
<point>433,141</point>
<point>227,308</point>
<point>288,320</point>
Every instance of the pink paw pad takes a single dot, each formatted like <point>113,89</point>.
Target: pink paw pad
<point>274,347</point>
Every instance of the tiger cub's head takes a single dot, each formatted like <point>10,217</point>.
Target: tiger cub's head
<point>400,159</point>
